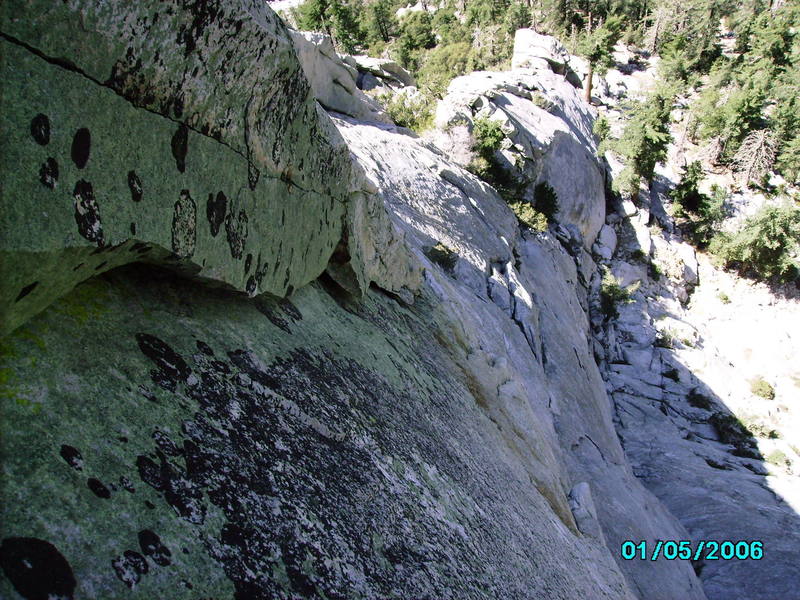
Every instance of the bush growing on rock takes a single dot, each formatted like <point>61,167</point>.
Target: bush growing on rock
<point>778,458</point>
<point>488,138</point>
<point>527,215</point>
<point>612,294</point>
<point>731,430</point>
<point>700,214</point>
<point>761,387</point>
<point>412,111</point>
<point>546,200</point>
<point>644,141</point>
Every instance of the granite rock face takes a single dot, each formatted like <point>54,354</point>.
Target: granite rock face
<point>182,136</point>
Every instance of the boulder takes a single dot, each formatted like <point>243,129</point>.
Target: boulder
<point>387,70</point>
<point>531,48</point>
<point>333,81</point>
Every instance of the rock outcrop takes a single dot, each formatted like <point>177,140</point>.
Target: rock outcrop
<point>548,137</point>
<point>334,82</point>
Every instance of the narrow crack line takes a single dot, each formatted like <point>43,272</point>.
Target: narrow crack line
<point>602,454</point>
<point>72,67</point>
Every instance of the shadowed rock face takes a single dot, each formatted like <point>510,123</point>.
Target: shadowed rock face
<point>137,131</point>
<point>264,449</point>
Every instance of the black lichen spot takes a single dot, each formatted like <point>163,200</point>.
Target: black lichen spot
<point>181,494</point>
<point>48,173</point>
<point>162,380</point>
<point>252,175</point>
<point>26,290</point>
<point>147,393</point>
<point>184,226</point>
<point>127,484</point>
<point>98,488</point>
<point>236,230</point>
<point>149,472</point>
<point>130,567</point>
<point>276,310</point>
<point>149,504</point>
<point>36,569</point>
<point>81,147</point>
<point>180,146</point>
<point>133,228</point>
<point>166,445</point>
<point>248,262</point>
<point>40,129</point>
<point>290,309</point>
<point>215,211</point>
<point>72,456</point>
<point>152,546</point>
<point>251,286</point>
<point>165,358</point>
<point>87,214</point>
<point>135,185</point>
<point>204,348</point>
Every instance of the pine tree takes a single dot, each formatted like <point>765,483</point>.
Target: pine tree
<point>597,48</point>
<point>644,141</point>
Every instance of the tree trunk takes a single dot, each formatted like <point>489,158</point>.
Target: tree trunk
<point>587,88</point>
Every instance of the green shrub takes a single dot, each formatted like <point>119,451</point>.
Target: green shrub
<point>488,135</point>
<point>767,245</point>
<point>413,112</point>
<point>758,428</point>
<point>542,101</point>
<point>441,65</point>
<point>724,298</point>
<point>761,387</point>
<point>685,194</point>
<point>612,294</point>
<point>701,214</point>
<point>699,400</point>
<point>527,215</point>
<point>602,131</point>
<point>731,430</point>
<point>666,338</point>
<point>778,458</point>
<point>545,200</point>
<point>488,138</point>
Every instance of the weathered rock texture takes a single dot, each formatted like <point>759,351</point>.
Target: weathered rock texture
<point>334,82</point>
<point>148,131</point>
